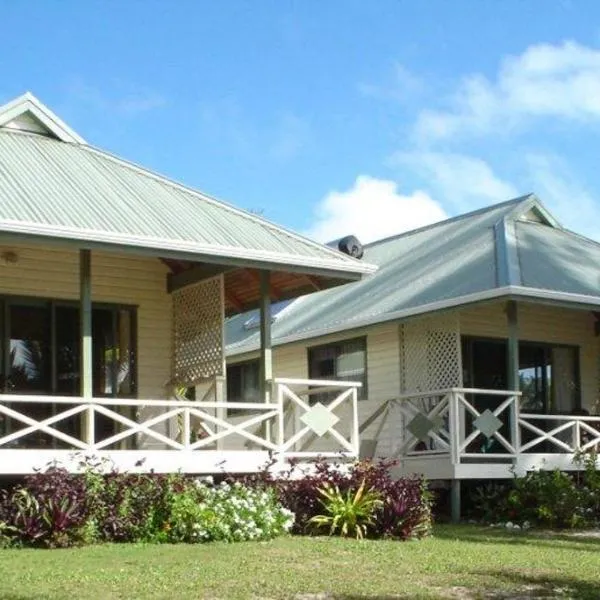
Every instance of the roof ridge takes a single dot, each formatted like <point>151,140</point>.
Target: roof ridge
<point>561,230</point>
<point>466,215</point>
<point>217,202</point>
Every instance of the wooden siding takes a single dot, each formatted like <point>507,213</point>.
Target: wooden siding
<point>53,272</point>
<point>541,323</point>
<point>383,372</point>
<point>536,323</point>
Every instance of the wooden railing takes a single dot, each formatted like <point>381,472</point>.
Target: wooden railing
<point>559,433</point>
<point>291,425</point>
<point>454,423</point>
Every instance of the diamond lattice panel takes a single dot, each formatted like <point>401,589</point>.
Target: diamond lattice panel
<point>198,351</point>
<point>430,351</point>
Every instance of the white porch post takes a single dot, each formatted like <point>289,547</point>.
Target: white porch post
<point>85,316</point>
<point>266,354</point>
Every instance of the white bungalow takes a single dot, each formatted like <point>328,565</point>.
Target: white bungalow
<point>114,287</point>
<point>476,341</point>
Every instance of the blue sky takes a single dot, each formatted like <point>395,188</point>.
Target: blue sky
<point>330,117</point>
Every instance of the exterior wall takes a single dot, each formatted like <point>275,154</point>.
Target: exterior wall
<point>536,323</point>
<point>53,272</point>
<point>540,323</point>
<point>383,373</point>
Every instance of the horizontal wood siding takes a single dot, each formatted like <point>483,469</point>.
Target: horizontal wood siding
<point>540,323</point>
<point>51,272</point>
<point>383,374</point>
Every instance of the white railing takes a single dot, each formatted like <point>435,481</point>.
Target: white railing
<point>290,425</point>
<point>317,418</point>
<point>453,423</point>
<point>559,433</point>
<point>447,422</point>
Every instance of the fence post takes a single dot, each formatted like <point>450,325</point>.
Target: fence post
<point>455,428</point>
<point>355,435</point>
<point>278,392</point>
<point>516,432</point>
<point>221,410</point>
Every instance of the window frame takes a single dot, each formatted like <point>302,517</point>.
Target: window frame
<point>254,362</point>
<point>6,300</point>
<point>337,346</point>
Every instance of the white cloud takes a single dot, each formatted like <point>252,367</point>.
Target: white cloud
<point>127,99</point>
<point>557,81</point>
<point>560,190</point>
<point>399,86</point>
<point>372,209</point>
<point>465,182</point>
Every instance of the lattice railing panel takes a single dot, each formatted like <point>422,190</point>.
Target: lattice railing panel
<point>198,344</point>
<point>430,354</point>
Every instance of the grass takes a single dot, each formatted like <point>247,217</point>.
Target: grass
<point>458,562</point>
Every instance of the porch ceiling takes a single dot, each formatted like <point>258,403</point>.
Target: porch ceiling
<point>242,285</point>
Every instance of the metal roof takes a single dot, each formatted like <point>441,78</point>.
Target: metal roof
<point>511,249</point>
<point>53,188</point>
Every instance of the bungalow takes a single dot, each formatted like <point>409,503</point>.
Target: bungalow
<point>476,343</point>
<point>115,283</point>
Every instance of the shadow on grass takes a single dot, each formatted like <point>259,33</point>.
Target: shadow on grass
<point>549,539</point>
<point>523,585</point>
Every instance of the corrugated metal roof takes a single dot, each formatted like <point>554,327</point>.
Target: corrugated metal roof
<point>49,187</point>
<point>452,261</point>
<point>555,259</point>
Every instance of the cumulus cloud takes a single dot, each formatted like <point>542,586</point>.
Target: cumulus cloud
<point>465,182</point>
<point>372,209</point>
<point>557,81</point>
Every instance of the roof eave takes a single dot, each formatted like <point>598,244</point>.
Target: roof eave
<point>507,292</point>
<point>346,269</point>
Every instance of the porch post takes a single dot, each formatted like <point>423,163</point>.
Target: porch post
<point>85,315</point>
<point>455,507</point>
<point>513,345</point>
<point>266,356</point>
<point>513,368</point>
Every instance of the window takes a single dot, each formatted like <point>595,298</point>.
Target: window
<point>342,361</point>
<point>549,375</point>
<point>40,345</point>
<point>243,382</point>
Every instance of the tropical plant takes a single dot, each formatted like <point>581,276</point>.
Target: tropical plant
<point>348,513</point>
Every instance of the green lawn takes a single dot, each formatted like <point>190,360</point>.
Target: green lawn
<point>458,562</point>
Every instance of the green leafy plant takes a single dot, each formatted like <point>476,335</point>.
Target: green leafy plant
<point>348,513</point>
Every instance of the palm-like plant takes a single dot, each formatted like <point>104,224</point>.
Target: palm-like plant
<point>347,514</point>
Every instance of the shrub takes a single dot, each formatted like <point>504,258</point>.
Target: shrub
<point>405,512</point>
<point>351,513</point>
<point>229,512</point>
<point>544,498</point>
<point>58,509</point>
<point>49,509</point>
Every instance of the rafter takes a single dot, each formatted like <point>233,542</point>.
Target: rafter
<point>274,291</point>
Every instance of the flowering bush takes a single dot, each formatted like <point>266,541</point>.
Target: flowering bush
<point>58,509</point>
<point>405,511</point>
<point>228,512</point>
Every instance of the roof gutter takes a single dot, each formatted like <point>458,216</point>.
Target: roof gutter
<point>508,292</point>
<point>344,268</point>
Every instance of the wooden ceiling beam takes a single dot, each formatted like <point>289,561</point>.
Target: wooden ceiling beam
<point>234,301</point>
<point>314,282</point>
<point>197,273</point>
<point>273,289</point>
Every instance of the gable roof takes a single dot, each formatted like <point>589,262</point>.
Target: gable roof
<point>26,113</point>
<point>53,185</point>
<point>516,248</point>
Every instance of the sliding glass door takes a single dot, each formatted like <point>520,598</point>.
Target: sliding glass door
<point>40,355</point>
